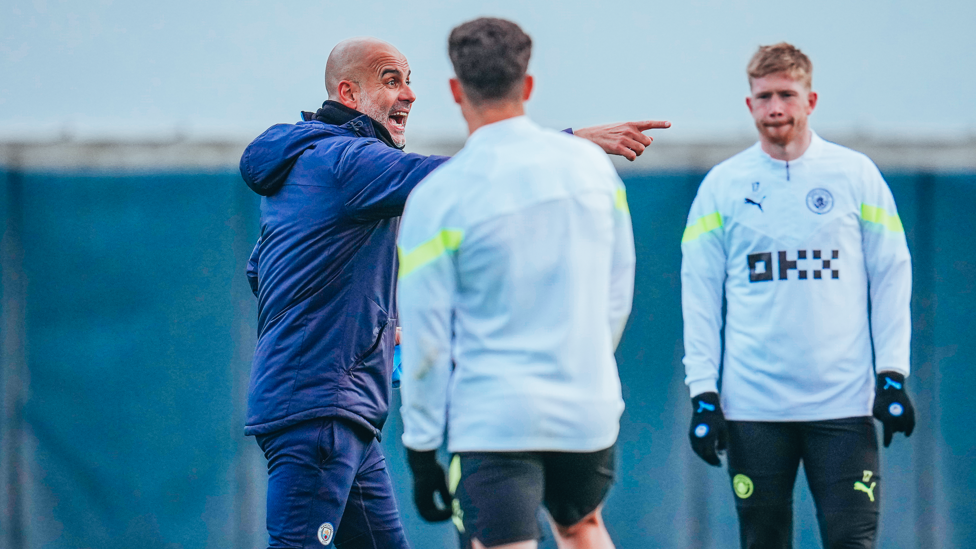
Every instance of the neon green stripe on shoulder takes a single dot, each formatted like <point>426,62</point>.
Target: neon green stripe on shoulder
<point>874,214</point>
<point>443,242</point>
<point>702,225</point>
<point>620,201</point>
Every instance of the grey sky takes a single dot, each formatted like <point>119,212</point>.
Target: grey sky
<point>112,67</point>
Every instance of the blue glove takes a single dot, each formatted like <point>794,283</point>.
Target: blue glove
<point>397,369</point>
<point>892,407</point>
<point>708,429</point>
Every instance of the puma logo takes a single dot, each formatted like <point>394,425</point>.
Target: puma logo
<point>702,406</point>
<point>861,487</point>
<point>755,203</point>
<point>891,383</point>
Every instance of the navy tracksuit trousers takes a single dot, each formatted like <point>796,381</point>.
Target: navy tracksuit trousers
<point>328,484</point>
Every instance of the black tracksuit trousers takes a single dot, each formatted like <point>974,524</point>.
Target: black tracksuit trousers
<point>840,458</point>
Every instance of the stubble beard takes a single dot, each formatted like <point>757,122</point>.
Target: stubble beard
<point>779,139</point>
<point>371,109</point>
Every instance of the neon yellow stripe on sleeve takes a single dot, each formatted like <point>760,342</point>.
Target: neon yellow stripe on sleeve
<point>877,215</point>
<point>444,241</point>
<point>620,201</point>
<point>704,224</point>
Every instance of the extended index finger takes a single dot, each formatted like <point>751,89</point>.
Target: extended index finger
<point>652,125</point>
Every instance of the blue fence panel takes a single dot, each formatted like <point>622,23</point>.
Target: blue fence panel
<point>953,355</point>
<point>130,327</point>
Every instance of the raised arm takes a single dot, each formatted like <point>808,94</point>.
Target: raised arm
<point>379,187</point>
<point>624,139</point>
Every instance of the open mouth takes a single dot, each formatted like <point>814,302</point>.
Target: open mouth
<point>398,120</point>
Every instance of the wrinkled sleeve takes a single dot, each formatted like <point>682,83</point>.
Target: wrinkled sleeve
<point>377,178</point>
<point>427,284</point>
<point>252,268</point>
<point>622,266</point>
<point>702,279</point>
<point>889,269</point>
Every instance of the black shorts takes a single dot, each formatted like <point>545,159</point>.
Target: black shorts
<point>497,494</point>
<point>840,458</point>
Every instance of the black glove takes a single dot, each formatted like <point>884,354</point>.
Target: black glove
<point>428,479</point>
<point>892,407</point>
<point>708,430</point>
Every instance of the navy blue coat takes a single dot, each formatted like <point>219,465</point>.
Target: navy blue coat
<point>326,271</point>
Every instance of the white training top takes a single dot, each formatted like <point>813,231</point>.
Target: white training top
<point>797,246</point>
<point>516,263</point>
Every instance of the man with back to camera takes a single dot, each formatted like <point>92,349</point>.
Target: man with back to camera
<point>801,233</point>
<point>517,264</point>
<point>324,272</point>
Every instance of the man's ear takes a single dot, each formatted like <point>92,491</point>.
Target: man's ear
<point>749,103</point>
<point>812,99</point>
<point>457,91</point>
<point>348,94</point>
<point>527,87</point>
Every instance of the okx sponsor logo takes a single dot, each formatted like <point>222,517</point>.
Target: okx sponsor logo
<point>763,266</point>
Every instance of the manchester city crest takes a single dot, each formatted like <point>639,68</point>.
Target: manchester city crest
<point>325,533</point>
<point>820,201</point>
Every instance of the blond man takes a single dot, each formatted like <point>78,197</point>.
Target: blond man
<point>799,233</point>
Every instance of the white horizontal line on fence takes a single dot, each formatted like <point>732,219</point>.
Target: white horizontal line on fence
<point>212,155</point>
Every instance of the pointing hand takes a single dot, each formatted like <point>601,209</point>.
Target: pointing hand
<point>624,139</point>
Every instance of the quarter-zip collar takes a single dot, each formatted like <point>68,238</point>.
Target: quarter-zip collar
<point>786,166</point>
